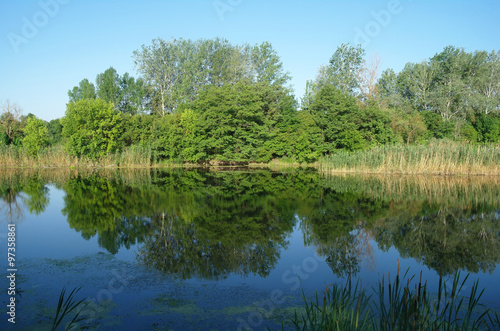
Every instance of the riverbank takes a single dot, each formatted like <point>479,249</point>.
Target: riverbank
<point>439,158</point>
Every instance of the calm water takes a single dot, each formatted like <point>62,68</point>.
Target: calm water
<point>199,249</point>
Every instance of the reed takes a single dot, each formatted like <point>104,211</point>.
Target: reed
<point>342,308</point>
<point>443,190</point>
<point>55,156</point>
<point>440,157</point>
<point>400,304</point>
<point>65,307</point>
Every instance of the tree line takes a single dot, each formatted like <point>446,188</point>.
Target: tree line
<point>211,101</point>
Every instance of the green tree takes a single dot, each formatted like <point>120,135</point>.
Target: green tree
<point>91,128</point>
<point>108,86</point>
<point>134,97</point>
<point>10,122</point>
<point>345,125</point>
<point>488,127</point>
<point>343,69</point>
<point>55,131</point>
<point>237,122</point>
<point>36,136</point>
<point>267,66</point>
<point>84,90</point>
<point>161,65</point>
<point>178,70</point>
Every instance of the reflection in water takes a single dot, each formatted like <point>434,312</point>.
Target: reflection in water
<point>13,202</point>
<point>445,239</point>
<point>205,224</point>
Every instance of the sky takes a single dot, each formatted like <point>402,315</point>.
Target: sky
<point>48,46</point>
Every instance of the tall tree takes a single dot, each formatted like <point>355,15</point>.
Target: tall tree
<point>161,66</point>
<point>134,98</point>
<point>267,66</point>
<point>108,86</point>
<point>84,90</point>
<point>10,121</point>
<point>368,76</point>
<point>344,69</point>
<point>178,70</point>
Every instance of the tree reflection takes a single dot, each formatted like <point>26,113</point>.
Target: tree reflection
<point>196,223</point>
<point>446,239</point>
<point>192,223</point>
<point>100,206</point>
<point>18,193</point>
<point>337,228</point>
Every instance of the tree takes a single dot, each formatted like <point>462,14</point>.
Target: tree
<point>448,95</point>
<point>36,136</point>
<point>345,125</point>
<point>161,66</point>
<point>368,76</point>
<point>84,90</point>
<point>92,128</point>
<point>10,121</point>
<point>108,86</point>
<point>134,98</point>
<point>55,131</point>
<point>178,70</point>
<point>344,69</point>
<point>267,66</point>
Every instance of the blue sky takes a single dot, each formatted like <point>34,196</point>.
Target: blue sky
<point>48,46</point>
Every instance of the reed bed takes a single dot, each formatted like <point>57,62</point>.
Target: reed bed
<point>443,158</point>
<point>56,156</point>
<point>444,190</point>
<point>403,304</point>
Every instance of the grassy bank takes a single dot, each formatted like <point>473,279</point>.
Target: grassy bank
<point>403,304</point>
<point>56,156</point>
<point>444,158</point>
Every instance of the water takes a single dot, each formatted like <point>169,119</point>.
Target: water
<point>199,249</point>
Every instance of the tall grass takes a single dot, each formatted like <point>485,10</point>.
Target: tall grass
<point>65,307</point>
<point>342,309</point>
<point>440,157</point>
<point>398,305</point>
<point>443,190</point>
<point>55,156</point>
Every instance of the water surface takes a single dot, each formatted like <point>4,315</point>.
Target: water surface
<point>204,249</point>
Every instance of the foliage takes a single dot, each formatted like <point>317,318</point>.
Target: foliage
<point>91,128</point>
<point>36,136</point>
<point>343,69</point>
<point>10,123</point>
<point>345,125</point>
<point>84,90</point>
<point>454,91</point>
<point>125,93</point>
<point>55,131</point>
<point>178,70</point>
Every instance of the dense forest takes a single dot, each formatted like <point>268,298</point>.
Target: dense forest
<point>209,101</point>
